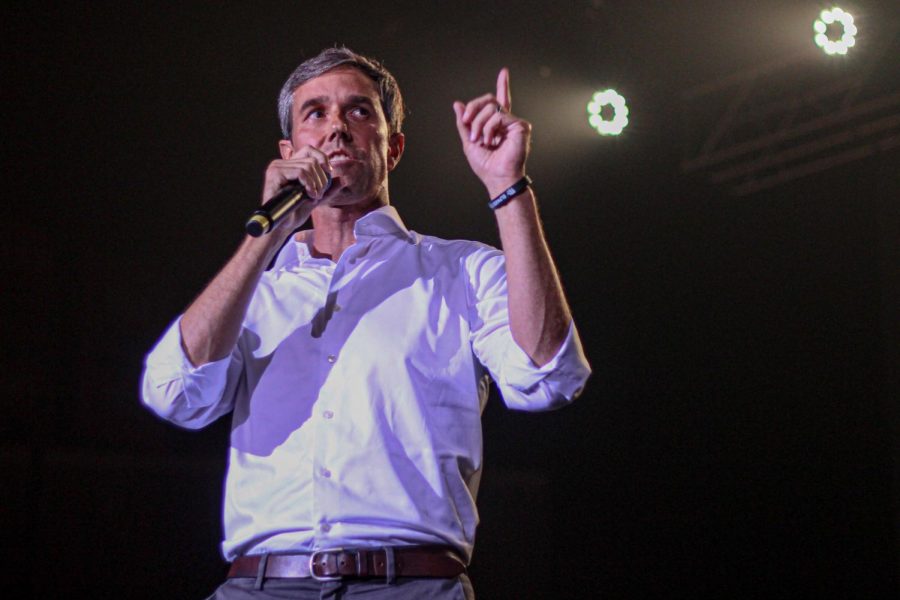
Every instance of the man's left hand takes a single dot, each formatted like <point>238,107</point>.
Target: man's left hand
<point>495,142</point>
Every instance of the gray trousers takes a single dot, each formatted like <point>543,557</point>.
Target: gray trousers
<point>412,588</point>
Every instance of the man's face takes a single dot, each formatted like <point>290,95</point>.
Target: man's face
<point>340,114</point>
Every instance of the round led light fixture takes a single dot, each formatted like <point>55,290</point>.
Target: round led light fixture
<point>830,17</point>
<point>614,124</point>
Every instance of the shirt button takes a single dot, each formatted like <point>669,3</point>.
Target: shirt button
<point>337,307</point>
<point>325,472</point>
<point>326,527</point>
<point>331,358</point>
<point>328,414</point>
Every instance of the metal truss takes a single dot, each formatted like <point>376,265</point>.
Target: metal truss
<point>792,118</point>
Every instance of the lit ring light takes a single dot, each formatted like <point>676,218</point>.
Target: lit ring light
<point>620,112</point>
<point>847,40</point>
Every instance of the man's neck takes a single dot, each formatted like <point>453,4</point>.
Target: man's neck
<point>333,227</point>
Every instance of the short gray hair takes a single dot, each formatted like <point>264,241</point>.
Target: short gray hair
<point>331,58</point>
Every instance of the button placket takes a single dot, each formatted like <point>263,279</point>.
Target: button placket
<point>323,492</point>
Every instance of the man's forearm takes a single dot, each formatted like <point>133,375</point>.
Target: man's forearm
<point>539,316</point>
<point>212,323</point>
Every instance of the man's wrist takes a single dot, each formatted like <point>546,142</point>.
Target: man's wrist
<point>497,186</point>
<point>510,192</point>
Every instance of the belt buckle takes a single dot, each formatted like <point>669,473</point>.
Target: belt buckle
<point>312,565</point>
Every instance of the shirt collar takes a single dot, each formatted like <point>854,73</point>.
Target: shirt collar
<point>382,221</point>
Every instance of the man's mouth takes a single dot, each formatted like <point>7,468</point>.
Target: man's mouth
<point>339,157</point>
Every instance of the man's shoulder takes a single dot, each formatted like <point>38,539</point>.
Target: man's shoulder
<point>476,259</point>
<point>458,247</point>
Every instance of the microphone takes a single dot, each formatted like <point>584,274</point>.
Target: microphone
<point>264,218</point>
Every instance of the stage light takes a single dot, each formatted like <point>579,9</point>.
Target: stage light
<point>848,37</point>
<point>619,120</point>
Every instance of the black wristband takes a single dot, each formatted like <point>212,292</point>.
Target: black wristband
<point>510,193</point>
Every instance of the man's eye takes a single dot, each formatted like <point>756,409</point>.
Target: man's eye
<point>360,112</point>
<point>315,114</point>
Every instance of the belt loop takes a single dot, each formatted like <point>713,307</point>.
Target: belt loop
<point>390,567</point>
<point>261,571</point>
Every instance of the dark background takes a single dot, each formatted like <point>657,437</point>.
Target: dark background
<point>739,436</point>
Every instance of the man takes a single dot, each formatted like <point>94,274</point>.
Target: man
<point>356,368</point>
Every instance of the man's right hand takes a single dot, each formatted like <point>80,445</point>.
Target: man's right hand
<point>308,166</point>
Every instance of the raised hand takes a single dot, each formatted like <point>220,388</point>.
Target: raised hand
<point>496,142</point>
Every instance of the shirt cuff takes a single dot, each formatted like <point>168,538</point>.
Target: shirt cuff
<point>168,363</point>
<point>567,371</point>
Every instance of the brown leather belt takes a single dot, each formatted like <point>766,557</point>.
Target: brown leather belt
<point>338,563</point>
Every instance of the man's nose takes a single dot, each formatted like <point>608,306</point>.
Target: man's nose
<point>339,128</point>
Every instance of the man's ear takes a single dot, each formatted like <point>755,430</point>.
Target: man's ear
<point>286,148</point>
<point>395,149</point>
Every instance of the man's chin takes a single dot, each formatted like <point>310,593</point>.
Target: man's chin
<point>357,204</point>
<point>344,196</point>
<point>337,193</point>
<point>340,195</point>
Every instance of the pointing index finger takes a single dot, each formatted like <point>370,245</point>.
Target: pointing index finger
<point>504,99</point>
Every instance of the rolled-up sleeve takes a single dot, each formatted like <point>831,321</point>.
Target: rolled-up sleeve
<point>174,389</point>
<point>522,384</point>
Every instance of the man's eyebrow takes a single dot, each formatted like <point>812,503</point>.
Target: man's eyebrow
<point>320,100</point>
<point>361,100</point>
<point>317,101</point>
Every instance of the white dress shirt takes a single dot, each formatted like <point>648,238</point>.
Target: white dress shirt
<point>356,390</point>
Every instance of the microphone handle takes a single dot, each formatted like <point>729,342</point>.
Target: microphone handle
<point>264,218</point>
